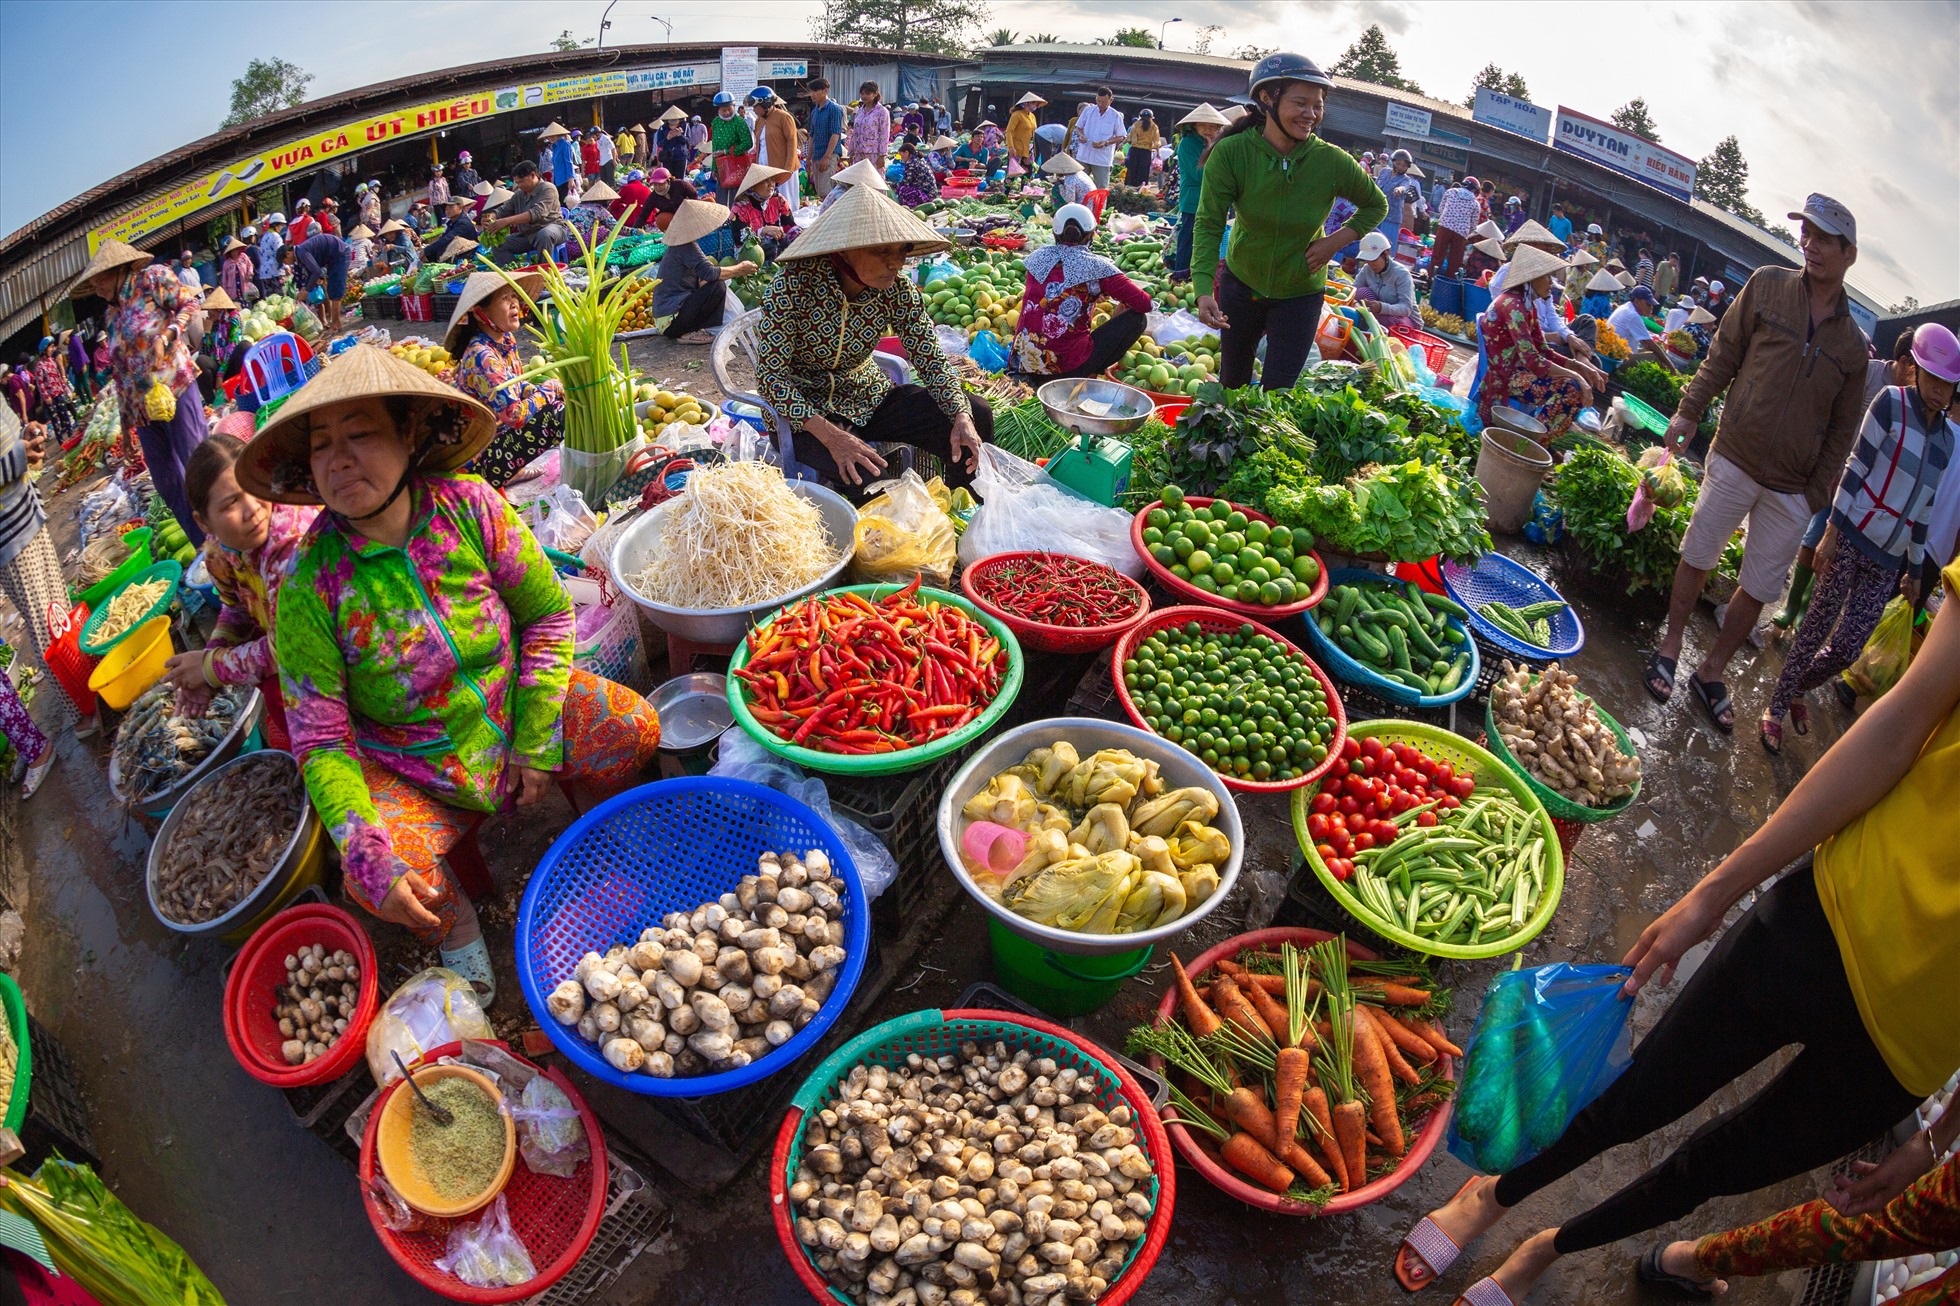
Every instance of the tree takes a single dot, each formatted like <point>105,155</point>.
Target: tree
<point>928,26</point>
<point>566,41</point>
<point>1723,180</point>
<point>1003,36</point>
<point>1044,38</point>
<point>1206,35</point>
<point>267,86</point>
<point>1372,59</point>
<point>1782,233</point>
<point>1633,117</point>
<point>1254,53</point>
<point>1141,38</point>
<point>1910,304</point>
<point>1514,86</point>
<point>1496,79</point>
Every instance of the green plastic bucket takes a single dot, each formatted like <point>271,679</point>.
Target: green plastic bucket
<point>1060,983</point>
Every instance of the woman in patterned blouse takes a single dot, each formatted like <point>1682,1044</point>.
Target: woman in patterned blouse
<point>840,291</point>
<point>482,336</point>
<point>917,185</point>
<point>1519,365</point>
<point>760,210</point>
<point>871,127</point>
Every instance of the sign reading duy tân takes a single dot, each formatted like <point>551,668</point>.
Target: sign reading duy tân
<point>1622,151</point>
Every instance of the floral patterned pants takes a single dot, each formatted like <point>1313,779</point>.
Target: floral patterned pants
<point>611,735</point>
<point>1558,396</point>
<point>1851,597</point>
<point>513,447</point>
<point>32,581</point>
<point>1924,1218</point>
<point>18,725</point>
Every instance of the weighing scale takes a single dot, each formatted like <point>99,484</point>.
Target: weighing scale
<point>1094,465</point>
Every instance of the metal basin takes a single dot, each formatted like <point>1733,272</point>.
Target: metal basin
<point>1128,407</point>
<point>231,745</point>
<point>724,626</point>
<point>1519,422</point>
<point>302,863</point>
<point>693,711</point>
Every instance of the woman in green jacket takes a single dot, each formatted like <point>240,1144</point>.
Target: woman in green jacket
<point>1277,181</point>
<point>1196,131</point>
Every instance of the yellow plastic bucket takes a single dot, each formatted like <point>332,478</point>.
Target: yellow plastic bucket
<point>133,665</point>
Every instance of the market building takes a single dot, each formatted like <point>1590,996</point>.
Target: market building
<point>192,197</point>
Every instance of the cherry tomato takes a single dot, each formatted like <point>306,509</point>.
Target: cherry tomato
<point>1385,831</point>
<point>1356,822</point>
<point>1383,803</point>
<point>1324,801</point>
<point>1448,803</point>
<point>1404,802</point>
<point>1426,819</point>
<point>1350,804</point>
<point>1462,786</point>
<point>1325,851</point>
<point>1371,747</point>
<point>1317,827</point>
<point>1351,749</point>
<point>1426,766</point>
<point>1342,869</point>
<point>1364,840</point>
<point>1445,772</point>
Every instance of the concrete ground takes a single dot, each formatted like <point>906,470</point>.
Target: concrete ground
<point>216,1160</point>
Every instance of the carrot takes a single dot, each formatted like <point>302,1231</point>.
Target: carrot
<point>1244,1153</point>
<point>1432,1033</point>
<point>1231,1003</point>
<point>1395,995</point>
<point>1350,1129</point>
<point>1270,983</point>
<point>1412,1045</point>
<point>1245,1108</point>
<point>1397,1065</point>
<point>1371,1069</point>
<point>1320,1124</point>
<point>1269,1011</point>
<point>1289,1086</point>
<point>1201,1018</point>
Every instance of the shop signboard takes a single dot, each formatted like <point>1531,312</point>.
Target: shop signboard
<point>1512,114</point>
<point>781,69</point>
<point>739,69</point>
<point>1623,152</point>
<point>1405,121</point>
<point>311,151</point>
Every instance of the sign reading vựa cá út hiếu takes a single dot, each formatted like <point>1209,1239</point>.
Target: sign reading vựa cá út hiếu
<point>312,150</point>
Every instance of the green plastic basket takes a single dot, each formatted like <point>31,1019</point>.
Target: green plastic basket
<point>170,570</point>
<point>1463,755</point>
<point>139,557</point>
<point>909,759</point>
<point>1649,417</point>
<point>1556,804</point>
<point>16,1012</point>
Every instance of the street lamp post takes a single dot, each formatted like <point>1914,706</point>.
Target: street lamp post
<point>1160,30</point>
<point>605,21</point>
<point>656,18</point>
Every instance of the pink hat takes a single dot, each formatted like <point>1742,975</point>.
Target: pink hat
<point>1935,349</point>
<point>659,175</point>
<point>237,425</point>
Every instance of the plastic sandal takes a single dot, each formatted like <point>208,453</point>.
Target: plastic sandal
<point>1714,696</point>
<point>1486,1292</point>
<point>1772,735</point>
<point>1661,669</point>
<point>472,962</point>
<point>35,775</point>
<point>1800,718</point>
<point>1428,1244</point>
<point>1650,1270</point>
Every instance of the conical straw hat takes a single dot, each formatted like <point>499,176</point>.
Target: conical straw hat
<point>862,173</point>
<point>552,132</point>
<point>673,114</point>
<point>218,301</point>
<point>482,188</point>
<point>1626,279</point>
<point>597,193</point>
<point>497,198</point>
<point>391,226</point>
<point>1614,265</point>
<point>1489,248</point>
<point>1529,263</point>
<point>1029,98</point>
<point>459,250</point>
<point>1533,233</point>
<point>449,428</point>
<point>862,218</point>
<point>111,255</point>
<point>360,232</point>
<point>478,288</point>
<point>1234,112</point>
<point>1581,258</point>
<point>944,142</point>
<point>1489,230</point>
<point>759,172</point>
<point>1205,116</point>
<point>1061,165</point>
<point>695,219</point>
<point>235,243</point>
<point>1603,281</point>
<point>1701,316</point>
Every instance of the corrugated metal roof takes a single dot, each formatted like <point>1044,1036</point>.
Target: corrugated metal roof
<point>29,288</point>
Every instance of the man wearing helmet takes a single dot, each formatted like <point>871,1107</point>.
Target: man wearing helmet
<point>1404,194</point>
<point>1279,181</point>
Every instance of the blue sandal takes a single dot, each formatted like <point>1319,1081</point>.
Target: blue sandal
<point>472,962</point>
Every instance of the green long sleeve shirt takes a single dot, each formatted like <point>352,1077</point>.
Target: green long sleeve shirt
<point>1277,204</point>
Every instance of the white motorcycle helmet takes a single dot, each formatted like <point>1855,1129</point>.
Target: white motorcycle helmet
<point>1076,213</point>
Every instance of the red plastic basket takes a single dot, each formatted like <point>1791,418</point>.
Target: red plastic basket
<point>932,1033</point>
<point>1435,349</point>
<point>1039,635</point>
<point>1568,834</point>
<point>1169,410</point>
<point>1257,611</point>
<point>1420,1149</point>
<point>1212,620</point>
<point>554,1218</point>
<point>261,968</point>
<point>71,666</point>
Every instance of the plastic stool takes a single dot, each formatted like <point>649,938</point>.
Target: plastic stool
<point>275,366</point>
<point>683,653</point>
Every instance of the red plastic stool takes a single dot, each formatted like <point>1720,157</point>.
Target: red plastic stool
<point>71,667</point>
<point>465,858</point>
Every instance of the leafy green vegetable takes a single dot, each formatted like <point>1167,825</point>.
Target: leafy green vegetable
<point>1593,488</point>
<point>1241,439</point>
<point>1407,511</point>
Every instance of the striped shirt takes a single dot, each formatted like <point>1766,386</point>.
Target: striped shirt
<point>21,514</point>
<point>1885,500</point>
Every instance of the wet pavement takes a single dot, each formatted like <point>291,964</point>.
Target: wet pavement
<point>272,1214</point>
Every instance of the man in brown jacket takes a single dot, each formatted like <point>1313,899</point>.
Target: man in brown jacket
<point>1793,362</point>
<point>775,128</point>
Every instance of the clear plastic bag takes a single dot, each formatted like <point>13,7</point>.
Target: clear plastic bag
<point>435,1007</point>
<point>1023,508</point>
<point>561,520</point>
<point>741,758</point>
<point>903,531</point>
<point>550,1133</point>
<point>1548,1041</point>
<point>486,1253</point>
<point>1886,654</point>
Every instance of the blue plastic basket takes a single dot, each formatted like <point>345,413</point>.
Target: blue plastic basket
<point>1497,579</point>
<point>671,846</point>
<point>1337,661</point>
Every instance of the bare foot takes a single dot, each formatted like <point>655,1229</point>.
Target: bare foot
<point>1465,1218</point>
<point>1679,1258</point>
<point>1521,1271</point>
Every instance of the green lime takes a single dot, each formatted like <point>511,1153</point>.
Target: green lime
<point>1223,572</point>
<point>1249,557</point>
<point>1163,554</point>
<point>1182,546</point>
<point>1181,571</point>
<point>1205,583</point>
<point>1302,540</point>
<point>1237,520</point>
<point>1306,571</point>
<point>1199,562</point>
<point>1173,497</point>
<point>1158,518</point>
<point>1151,535</point>
<point>1270,593</point>
<point>1258,532</point>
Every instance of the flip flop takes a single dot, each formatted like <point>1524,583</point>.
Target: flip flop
<point>472,962</point>
<point>1485,1292</point>
<point>1714,696</point>
<point>1800,718</point>
<point>1650,1270</point>
<point>1772,735</point>
<point>36,774</point>
<point>1661,669</point>
<point>1435,1249</point>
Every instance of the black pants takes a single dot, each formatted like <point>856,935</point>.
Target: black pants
<point>1776,978</point>
<point>702,308</point>
<point>909,415</point>
<point>1288,326</point>
<point>1136,166</point>
<point>1107,343</point>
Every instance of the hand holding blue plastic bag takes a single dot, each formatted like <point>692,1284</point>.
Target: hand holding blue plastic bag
<point>1548,1041</point>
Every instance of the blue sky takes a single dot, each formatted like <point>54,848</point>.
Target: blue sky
<point>1858,100</point>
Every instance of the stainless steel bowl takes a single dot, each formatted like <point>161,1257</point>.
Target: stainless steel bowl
<point>268,890</point>
<point>1179,769</point>
<point>1519,422</point>
<point>250,713</point>
<point>1128,407</point>
<point>693,710</point>
<point>724,626</point>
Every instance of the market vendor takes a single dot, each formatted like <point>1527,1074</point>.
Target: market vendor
<point>323,259</point>
<point>1278,180</point>
<point>532,216</point>
<point>236,272</point>
<point>458,226</point>
<point>1021,123</point>
<point>841,290</point>
<point>220,337</point>
<point>1383,282</point>
<point>1629,321</point>
<point>424,643</point>
<point>592,216</point>
<point>1483,260</point>
<point>249,553</point>
<point>1072,184</point>
<point>675,152</point>
<point>1519,365</point>
<point>688,295</point>
<point>1598,299</point>
<point>759,210</point>
<point>916,185</point>
<point>482,337</point>
<point>666,192</point>
<point>631,206</point>
<point>861,173</point>
<point>731,146</point>
<point>466,180</point>
<point>1065,281</point>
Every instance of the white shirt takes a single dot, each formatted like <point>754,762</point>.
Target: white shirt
<point>1094,124</point>
<point>605,149</point>
<point>188,275</point>
<point>1629,325</point>
<point>1550,321</point>
<point>1676,319</point>
<point>1943,525</point>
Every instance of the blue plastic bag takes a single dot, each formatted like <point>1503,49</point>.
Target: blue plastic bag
<point>1548,1041</point>
<point>1546,525</point>
<point>988,351</point>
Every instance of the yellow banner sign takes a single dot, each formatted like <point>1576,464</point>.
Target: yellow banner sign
<point>306,153</point>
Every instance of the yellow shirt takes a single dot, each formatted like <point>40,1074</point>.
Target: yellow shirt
<point>1890,885</point>
<point>623,143</point>
<point>1020,132</point>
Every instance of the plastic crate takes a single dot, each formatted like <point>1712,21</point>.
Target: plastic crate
<point>903,811</point>
<point>634,1216</point>
<point>443,307</point>
<point>323,1110</point>
<point>1435,349</point>
<point>57,1114</point>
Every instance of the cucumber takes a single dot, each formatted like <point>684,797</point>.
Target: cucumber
<point>1448,605</point>
<point>1398,647</point>
<point>1486,1085</point>
<point>1541,1075</point>
<point>1420,642</point>
<point>1458,669</point>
